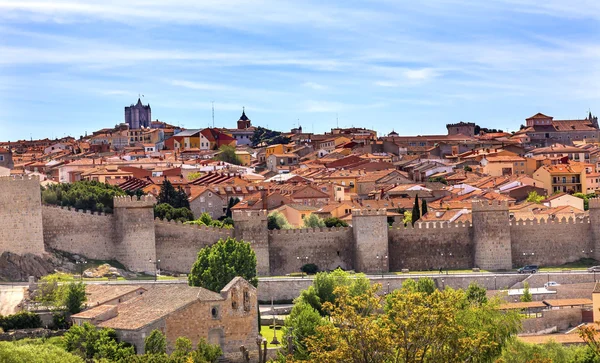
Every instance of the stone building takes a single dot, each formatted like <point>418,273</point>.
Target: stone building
<point>6,160</point>
<point>138,115</point>
<point>228,319</point>
<point>461,128</point>
<point>543,130</point>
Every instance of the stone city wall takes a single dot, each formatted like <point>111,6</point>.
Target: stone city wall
<point>21,216</point>
<point>328,248</point>
<point>553,243</point>
<point>79,232</point>
<point>431,245</point>
<point>177,244</point>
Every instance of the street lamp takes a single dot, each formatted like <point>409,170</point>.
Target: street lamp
<point>495,288</point>
<point>381,259</point>
<point>275,341</point>
<point>301,259</point>
<point>156,267</point>
<point>80,264</point>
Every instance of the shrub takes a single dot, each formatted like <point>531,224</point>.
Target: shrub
<point>310,268</point>
<point>20,320</point>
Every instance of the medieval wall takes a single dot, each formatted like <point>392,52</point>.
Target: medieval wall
<point>431,245</point>
<point>251,226</point>
<point>177,244</point>
<point>21,216</point>
<point>79,232</point>
<point>328,248</point>
<point>550,243</point>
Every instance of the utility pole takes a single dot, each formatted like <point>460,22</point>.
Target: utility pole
<point>213,113</point>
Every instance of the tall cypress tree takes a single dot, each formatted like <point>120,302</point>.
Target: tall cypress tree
<point>423,207</point>
<point>416,214</point>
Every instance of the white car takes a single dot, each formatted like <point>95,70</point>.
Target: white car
<point>551,284</point>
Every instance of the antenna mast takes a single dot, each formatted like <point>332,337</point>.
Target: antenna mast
<point>213,113</point>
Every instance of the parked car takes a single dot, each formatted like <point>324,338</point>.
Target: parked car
<point>551,284</point>
<point>594,269</point>
<point>529,269</point>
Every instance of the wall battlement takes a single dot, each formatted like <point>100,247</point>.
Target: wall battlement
<point>594,203</point>
<point>489,206</point>
<point>545,221</point>
<point>127,201</point>
<point>19,179</point>
<point>431,225</point>
<point>276,232</point>
<point>74,210</point>
<point>369,212</point>
<point>252,215</point>
<point>225,231</point>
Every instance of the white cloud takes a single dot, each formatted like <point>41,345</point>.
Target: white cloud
<point>314,85</point>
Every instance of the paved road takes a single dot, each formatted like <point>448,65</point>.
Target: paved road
<point>10,297</point>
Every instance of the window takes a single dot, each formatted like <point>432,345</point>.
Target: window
<point>214,312</point>
<point>522,163</point>
<point>209,194</point>
<point>202,199</point>
<point>564,179</point>
<point>209,204</point>
<point>1,157</point>
<point>247,305</point>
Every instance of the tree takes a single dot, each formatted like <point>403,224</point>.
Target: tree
<point>166,211</point>
<point>206,220</point>
<point>218,264</point>
<point>194,175</point>
<point>177,198</point>
<point>227,154</point>
<point>534,197</point>
<point>438,179</point>
<point>423,207</point>
<point>31,351</point>
<point>183,347</point>
<point>467,168</point>
<point>95,344</point>
<point>476,294</point>
<point>526,297</point>
<point>407,218</point>
<point>334,222</point>
<point>87,195</point>
<point>74,297</point>
<point>155,343</point>
<point>313,221</point>
<point>416,214</point>
<point>232,202</point>
<point>301,324</point>
<point>276,220</point>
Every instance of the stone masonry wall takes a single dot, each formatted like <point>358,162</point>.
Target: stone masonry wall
<point>328,248</point>
<point>79,232</point>
<point>251,226</point>
<point>21,216</point>
<point>177,244</point>
<point>371,241</point>
<point>431,246</point>
<point>491,235</point>
<point>550,243</point>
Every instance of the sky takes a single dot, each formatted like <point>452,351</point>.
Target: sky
<point>69,67</point>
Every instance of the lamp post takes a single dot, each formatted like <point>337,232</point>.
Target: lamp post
<point>80,264</point>
<point>302,259</point>
<point>156,267</point>
<point>274,341</point>
<point>495,287</point>
<point>381,259</point>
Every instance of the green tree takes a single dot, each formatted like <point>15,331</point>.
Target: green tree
<point>467,168</point>
<point>177,198</point>
<point>534,197</point>
<point>31,352</point>
<point>183,348</point>
<point>526,297</point>
<point>205,352</point>
<point>334,222</point>
<point>155,343</point>
<point>218,264</point>
<point>74,297</point>
<point>426,285</point>
<point>438,179</point>
<point>227,154</point>
<point>407,218</point>
<point>276,220</point>
<point>313,221</point>
<point>87,195</point>
<point>232,202</point>
<point>194,175</point>
<point>423,207</point>
<point>166,211</point>
<point>476,294</point>
<point>416,214</point>
<point>91,343</point>
<point>300,324</point>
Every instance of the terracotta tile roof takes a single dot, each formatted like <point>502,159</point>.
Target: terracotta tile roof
<point>567,302</point>
<point>558,338</point>
<point>95,311</point>
<point>99,294</point>
<point>522,305</point>
<point>156,303</point>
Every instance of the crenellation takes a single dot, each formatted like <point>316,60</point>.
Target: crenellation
<point>127,201</point>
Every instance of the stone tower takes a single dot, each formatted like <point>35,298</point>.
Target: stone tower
<point>491,235</point>
<point>21,215</point>
<point>595,226</point>
<point>134,227</point>
<point>244,122</point>
<point>251,226</point>
<point>370,230</point>
<point>138,115</point>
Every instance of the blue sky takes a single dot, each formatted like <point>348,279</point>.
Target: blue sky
<point>67,67</point>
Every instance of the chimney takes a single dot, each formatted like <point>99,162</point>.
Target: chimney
<point>188,190</point>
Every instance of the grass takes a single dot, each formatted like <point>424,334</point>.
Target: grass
<point>267,333</point>
<point>437,272</point>
<point>581,264</point>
